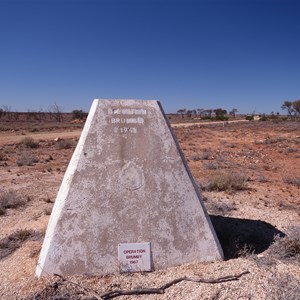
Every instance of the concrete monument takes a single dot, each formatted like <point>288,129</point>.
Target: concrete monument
<point>128,201</point>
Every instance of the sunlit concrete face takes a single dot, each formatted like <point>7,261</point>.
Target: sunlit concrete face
<point>127,182</point>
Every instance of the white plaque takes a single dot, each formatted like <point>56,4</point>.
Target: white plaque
<point>134,257</point>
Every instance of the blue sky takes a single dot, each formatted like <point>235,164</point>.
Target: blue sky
<point>242,54</point>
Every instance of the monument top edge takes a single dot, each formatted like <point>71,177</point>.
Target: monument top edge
<point>127,100</point>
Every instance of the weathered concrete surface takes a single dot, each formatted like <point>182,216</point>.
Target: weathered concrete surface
<point>127,182</point>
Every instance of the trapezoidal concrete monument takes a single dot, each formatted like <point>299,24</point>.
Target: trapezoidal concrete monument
<point>127,201</point>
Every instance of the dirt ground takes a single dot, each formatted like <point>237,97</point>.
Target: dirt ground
<point>265,155</point>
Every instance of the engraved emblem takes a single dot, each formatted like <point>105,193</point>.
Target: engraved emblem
<point>132,176</point>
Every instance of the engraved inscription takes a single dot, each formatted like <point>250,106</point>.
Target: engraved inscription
<point>125,130</point>
<point>138,120</point>
<point>127,116</point>
<point>128,130</point>
<point>127,111</point>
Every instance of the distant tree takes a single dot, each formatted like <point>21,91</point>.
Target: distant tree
<point>200,111</point>
<point>189,113</point>
<point>78,114</point>
<point>233,112</point>
<point>220,113</point>
<point>57,112</point>
<point>6,111</point>
<point>274,116</point>
<point>288,106</point>
<point>208,112</point>
<point>182,112</point>
<point>296,107</point>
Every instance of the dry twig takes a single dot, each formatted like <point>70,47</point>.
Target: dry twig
<point>96,296</point>
<point>160,290</point>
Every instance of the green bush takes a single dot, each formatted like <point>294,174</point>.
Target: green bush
<point>222,118</point>
<point>249,118</point>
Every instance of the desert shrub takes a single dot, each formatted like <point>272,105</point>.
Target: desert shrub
<point>263,118</point>
<point>230,145</point>
<point>26,159</point>
<point>195,157</point>
<point>292,180</point>
<point>9,199</point>
<point>269,140</point>
<point>2,156</point>
<point>33,129</point>
<point>220,208</point>
<point>246,251</point>
<point>291,150</point>
<point>48,210</point>
<point>65,144</point>
<point>287,247</point>
<point>211,166</point>
<point>249,118</point>
<point>14,241</point>
<point>9,150</point>
<point>262,179</point>
<point>78,114</point>
<point>206,154</point>
<point>29,142</point>
<point>227,182</point>
<point>221,118</point>
<point>259,142</point>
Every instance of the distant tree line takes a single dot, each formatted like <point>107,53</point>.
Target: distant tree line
<point>218,113</point>
<point>53,114</point>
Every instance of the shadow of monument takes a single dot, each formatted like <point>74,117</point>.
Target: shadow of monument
<point>234,234</point>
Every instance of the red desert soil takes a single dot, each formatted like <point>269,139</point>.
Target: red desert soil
<point>262,155</point>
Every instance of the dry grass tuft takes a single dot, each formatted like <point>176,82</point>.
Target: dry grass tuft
<point>48,211</point>
<point>292,180</point>
<point>10,199</point>
<point>65,144</point>
<point>11,243</point>
<point>220,208</point>
<point>211,166</point>
<point>26,159</point>
<point>29,142</point>
<point>227,182</point>
<point>288,247</point>
<point>2,156</point>
<point>14,241</point>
